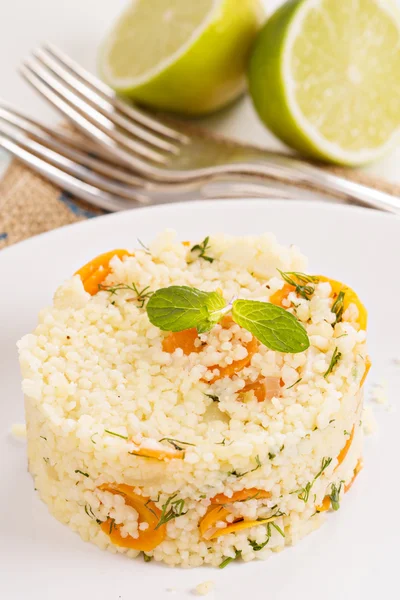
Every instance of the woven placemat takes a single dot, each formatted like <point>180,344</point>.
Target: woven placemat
<point>30,205</point>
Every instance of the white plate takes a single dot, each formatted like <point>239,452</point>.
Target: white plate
<point>354,556</point>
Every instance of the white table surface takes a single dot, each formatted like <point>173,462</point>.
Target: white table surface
<point>77,27</point>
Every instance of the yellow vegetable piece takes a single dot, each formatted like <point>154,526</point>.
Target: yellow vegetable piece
<point>215,514</point>
<point>345,449</point>
<point>148,513</point>
<point>278,297</point>
<point>166,454</point>
<point>326,504</point>
<point>368,365</point>
<point>350,297</point>
<point>240,496</point>
<point>95,272</point>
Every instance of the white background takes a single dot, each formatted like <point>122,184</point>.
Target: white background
<point>77,27</point>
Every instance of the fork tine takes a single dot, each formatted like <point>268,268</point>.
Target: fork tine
<point>92,114</point>
<point>39,133</point>
<point>104,136</point>
<point>70,167</point>
<point>106,92</point>
<point>67,182</point>
<point>103,106</point>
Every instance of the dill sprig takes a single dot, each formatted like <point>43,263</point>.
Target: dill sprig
<point>81,473</point>
<point>213,397</point>
<point>295,383</point>
<point>171,510</point>
<point>145,248</point>
<point>304,492</point>
<point>175,443</point>
<point>336,356</point>
<point>302,287</point>
<point>202,249</point>
<point>140,295</point>
<point>238,475</point>
<point>124,437</point>
<point>335,495</point>
<point>147,558</point>
<point>91,514</point>
<point>229,559</point>
<point>338,307</point>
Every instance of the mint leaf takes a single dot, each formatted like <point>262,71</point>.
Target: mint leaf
<point>176,308</point>
<point>272,325</point>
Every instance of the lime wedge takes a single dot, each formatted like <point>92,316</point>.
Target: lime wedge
<point>325,78</point>
<point>182,56</point>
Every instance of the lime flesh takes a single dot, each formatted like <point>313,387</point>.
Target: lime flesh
<point>186,57</point>
<point>325,78</point>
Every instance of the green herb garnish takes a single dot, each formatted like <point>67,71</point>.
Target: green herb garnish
<point>176,308</point>
<point>336,356</point>
<point>238,475</point>
<point>81,473</point>
<point>146,248</point>
<point>112,526</point>
<point>338,307</point>
<point>302,286</point>
<point>171,510</point>
<point>304,492</point>
<point>147,558</point>
<point>43,438</point>
<point>346,432</point>
<point>228,560</point>
<point>175,443</point>
<point>140,295</point>
<point>278,529</point>
<point>295,383</point>
<point>213,397</point>
<point>271,456</point>
<point>202,249</point>
<point>335,495</point>
<point>124,437</point>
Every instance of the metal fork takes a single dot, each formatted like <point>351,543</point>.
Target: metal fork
<point>77,165</point>
<point>164,154</point>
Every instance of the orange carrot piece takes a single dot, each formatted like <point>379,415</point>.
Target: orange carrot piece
<point>95,272</point>
<point>148,512</point>
<point>237,365</point>
<point>240,496</point>
<point>345,449</point>
<point>368,365</point>
<point>159,454</point>
<point>350,297</point>
<point>258,388</point>
<point>281,295</point>
<point>326,504</point>
<point>181,339</point>
<point>209,531</point>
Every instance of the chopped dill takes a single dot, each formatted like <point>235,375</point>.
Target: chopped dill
<point>271,455</point>
<point>229,559</point>
<point>146,248</point>
<point>202,249</point>
<point>81,473</point>
<point>346,432</point>
<point>171,510</point>
<point>124,437</point>
<point>238,475</point>
<point>147,558</point>
<point>295,383</point>
<point>213,397</point>
<point>278,529</point>
<point>140,295</point>
<point>46,460</point>
<point>302,288</point>
<point>112,526</point>
<point>175,443</point>
<point>336,356</point>
<point>338,307</point>
<point>43,438</point>
<point>335,495</point>
<point>304,492</point>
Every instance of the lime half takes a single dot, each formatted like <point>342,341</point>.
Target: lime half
<point>325,77</point>
<point>182,56</point>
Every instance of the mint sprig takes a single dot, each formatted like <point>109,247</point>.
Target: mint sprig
<point>176,308</point>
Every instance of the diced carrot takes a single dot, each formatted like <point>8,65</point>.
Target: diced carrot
<point>258,387</point>
<point>359,467</point>
<point>240,496</point>
<point>350,297</point>
<point>186,244</point>
<point>148,512</point>
<point>326,504</point>
<point>281,295</point>
<point>208,528</point>
<point>237,365</point>
<point>166,454</point>
<point>345,449</point>
<point>95,272</point>
<point>368,365</point>
<point>181,339</point>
